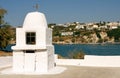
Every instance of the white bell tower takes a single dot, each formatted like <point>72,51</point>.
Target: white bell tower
<point>33,51</point>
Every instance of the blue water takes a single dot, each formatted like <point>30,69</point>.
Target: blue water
<point>88,49</point>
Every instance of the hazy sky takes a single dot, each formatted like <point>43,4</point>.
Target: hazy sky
<point>63,11</point>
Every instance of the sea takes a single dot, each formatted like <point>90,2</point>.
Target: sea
<point>89,49</point>
<point>66,50</point>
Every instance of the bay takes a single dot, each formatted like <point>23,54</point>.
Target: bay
<point>88,49</point>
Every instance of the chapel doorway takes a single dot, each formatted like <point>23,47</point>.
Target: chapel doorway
<point>29,63</point>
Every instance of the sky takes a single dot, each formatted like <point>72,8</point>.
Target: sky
<point>62,11</point>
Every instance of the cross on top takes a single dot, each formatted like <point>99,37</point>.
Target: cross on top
<point>36,7</point>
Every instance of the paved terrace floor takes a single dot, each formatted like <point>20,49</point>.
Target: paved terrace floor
<point>76,72</point>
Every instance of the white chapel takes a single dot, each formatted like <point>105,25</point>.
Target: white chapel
<point>33,51</point>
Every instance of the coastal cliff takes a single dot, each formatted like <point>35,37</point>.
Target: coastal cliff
<point>91,38</point>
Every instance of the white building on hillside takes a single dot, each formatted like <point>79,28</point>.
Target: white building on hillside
<point>67,33</point>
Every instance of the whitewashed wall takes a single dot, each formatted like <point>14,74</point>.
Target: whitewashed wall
<point>99,61</point>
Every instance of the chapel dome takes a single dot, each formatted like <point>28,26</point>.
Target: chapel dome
<point>35,20</point>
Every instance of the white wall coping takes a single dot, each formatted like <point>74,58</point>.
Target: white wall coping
<point>28,47</point>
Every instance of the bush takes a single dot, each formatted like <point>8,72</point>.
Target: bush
<point>77,55</point>
<point>60,56</point>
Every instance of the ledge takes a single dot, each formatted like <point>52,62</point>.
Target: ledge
<point>29,47</point>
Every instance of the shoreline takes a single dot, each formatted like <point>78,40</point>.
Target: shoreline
<point>86,43</point>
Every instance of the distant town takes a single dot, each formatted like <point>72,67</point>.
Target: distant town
<point>84,33</point>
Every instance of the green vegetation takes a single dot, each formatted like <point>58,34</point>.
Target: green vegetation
<point>7,33</point>
<point>2,13</point>
<point>77,55</point>
<point>115,33</point>
<point>74,55</point>
<point>60,57</point>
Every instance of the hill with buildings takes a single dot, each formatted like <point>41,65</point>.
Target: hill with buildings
<point>82,33</point>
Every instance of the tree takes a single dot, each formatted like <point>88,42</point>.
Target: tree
<point>6,34</point>
<point>2,13</point>
<point>114,33</point>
